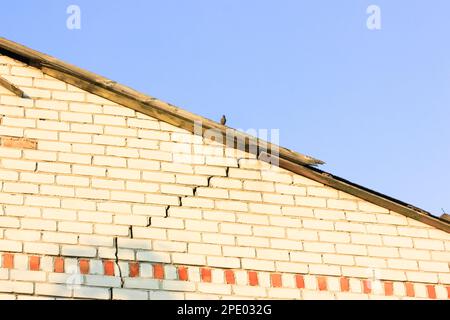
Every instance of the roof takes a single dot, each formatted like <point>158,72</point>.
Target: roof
<point>287,159</point>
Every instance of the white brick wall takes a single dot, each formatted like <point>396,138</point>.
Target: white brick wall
<point>103,171</point>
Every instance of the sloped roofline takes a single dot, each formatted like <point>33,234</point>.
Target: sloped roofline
<point>287,159</point>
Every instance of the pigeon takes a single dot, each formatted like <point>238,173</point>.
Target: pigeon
<point>223,120</point>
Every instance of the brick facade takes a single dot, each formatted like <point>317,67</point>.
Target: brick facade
<point>100,201</point>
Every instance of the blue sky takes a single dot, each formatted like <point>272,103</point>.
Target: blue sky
<point>373,104</point>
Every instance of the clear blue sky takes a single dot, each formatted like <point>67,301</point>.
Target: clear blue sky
<point>375,105</point>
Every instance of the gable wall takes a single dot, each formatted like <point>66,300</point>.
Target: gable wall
<point>98,201</point>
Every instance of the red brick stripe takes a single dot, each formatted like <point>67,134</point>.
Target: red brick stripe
<point>276,279</point>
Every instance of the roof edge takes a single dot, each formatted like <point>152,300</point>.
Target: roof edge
<point>148,105</point>
<point>361,192</point>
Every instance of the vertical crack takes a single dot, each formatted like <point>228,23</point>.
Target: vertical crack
<point>167,211</point>
<point>209,181</point>
<point>116,254</point>
<point>130,231</point>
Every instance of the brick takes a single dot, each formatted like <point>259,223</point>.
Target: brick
<point>84,266</point>
<point>59,265</point>
<point>108,267</point>
<point>429,244</point>
<point>34,263</point>
<point>190,259</point>
<point>38,224</point>
<point>409,289</point>
<point>89,170</point>
<point>41,248</point>
<point>8,261</point>
<point>278,198</point>
<point>226,183</point>
<point>182,272</point>
<point>58,290</point>
<point>20,143</point>
<point>18,164</point>
<point>253,264</point>
<point>229,277</point>
<point>205,274</point>
<point>431,291</point>
<point>310,202</point>
<point>224,262</point>
<point>269,175</point>
<point>91,293</point>
<point>20,187</point>
<point>6,175</point>
<point>11,132</point>
<point>275,280</point>
<point>158,271</point>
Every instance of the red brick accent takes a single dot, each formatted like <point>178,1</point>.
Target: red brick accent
<point>252,278</point>
<point>299,281</point>
<point>367,286</point>
<point>84,266</point>
<point>8,261</point>
<point>322,283</point>
<point>229,277</point>
<point>134,269</point>
<point>205,274</point>
<point>388,288</point>
<point>183,273</point>
<point>409,289</point>
<point>431,291</point>
<point>34,263</point>
<point>19,143</point>
<point>275,280</point>
<point>59,265</point>
<point>108,267</point>
<point>158,271</point>
<point>345,284</point>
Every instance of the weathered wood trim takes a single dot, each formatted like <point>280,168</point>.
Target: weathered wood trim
<point>360,192</point>
<point>133,99</point>
<point>11,87</point>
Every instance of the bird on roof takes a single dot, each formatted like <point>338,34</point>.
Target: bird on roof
<point>223,120</point>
